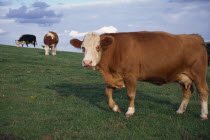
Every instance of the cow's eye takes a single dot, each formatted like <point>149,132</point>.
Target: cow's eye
<point>83,49</point>
<point>97,48</point>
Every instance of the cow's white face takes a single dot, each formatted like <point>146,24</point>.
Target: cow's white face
<point>92,47</point>
<point>47,49</point>
<point>19,42</point>
<point>91,50</point>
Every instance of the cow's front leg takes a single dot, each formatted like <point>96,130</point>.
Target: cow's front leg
<point>53,49</point>
<point>130,83</point>
<point>112,104</point>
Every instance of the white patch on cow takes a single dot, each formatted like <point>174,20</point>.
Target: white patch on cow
<point>50,34</point>
<point>90,43</point>
<point>47,49</point>
<point>115,108</point>
<point>53,49</point>
<point>183,106</point>
<point>130,111</point>
<point>18,43</point>
<point>204,110</point>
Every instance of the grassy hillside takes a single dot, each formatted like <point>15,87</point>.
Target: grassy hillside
<point>54,97</point>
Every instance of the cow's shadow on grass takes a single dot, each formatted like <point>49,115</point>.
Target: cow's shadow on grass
<point>95,94</point>
<point>92,93</point>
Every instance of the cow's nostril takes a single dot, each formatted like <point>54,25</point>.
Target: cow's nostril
<point>83,62</point>
<point>90,62</point>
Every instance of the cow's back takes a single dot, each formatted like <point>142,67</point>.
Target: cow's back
<point>27,37</point>
<point>49,40</point>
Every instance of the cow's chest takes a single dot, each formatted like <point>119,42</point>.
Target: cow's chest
<point>113,79</point>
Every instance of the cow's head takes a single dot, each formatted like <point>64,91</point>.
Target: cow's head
<point>19,42</point>
<point>92,47</point>
<point>46,48</point>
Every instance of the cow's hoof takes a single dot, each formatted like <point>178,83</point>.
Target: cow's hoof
<point>130,112</point>
<point>46,54</point>
<point>116,109</point>
<point>179,112</point>
<point>204,118</point>
<point>129,115</point>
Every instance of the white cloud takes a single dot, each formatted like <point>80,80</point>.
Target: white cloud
<point>109,29</point>
<point>76,34</point>
<point>2,31</point>
<point>105,29</point>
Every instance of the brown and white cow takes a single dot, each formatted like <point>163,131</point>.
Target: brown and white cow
<point>50,40</point>
<point>155,57</point>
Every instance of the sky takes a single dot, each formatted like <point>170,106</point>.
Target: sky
<point>75,18</point>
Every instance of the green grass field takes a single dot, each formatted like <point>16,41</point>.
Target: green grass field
<point>54,97</point>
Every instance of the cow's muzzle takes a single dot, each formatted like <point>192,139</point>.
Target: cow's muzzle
<point>87,63</point>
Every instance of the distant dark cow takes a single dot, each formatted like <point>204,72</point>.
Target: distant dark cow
<point>26,39</point>
<point>50,40</point>
<point>155,57</point>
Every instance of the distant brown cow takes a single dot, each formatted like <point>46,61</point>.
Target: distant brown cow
<point>50,40</point>
<point>155,57</point>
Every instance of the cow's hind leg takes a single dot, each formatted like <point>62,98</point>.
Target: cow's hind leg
<point>202,90</point>
<point>112,104</point>
<point>187,89</point>
<point>199,78</point>
<point>203,93</point>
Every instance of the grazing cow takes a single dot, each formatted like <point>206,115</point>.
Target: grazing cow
<point>26,39</point>
<point>50,40</point>
<point>155,57</point>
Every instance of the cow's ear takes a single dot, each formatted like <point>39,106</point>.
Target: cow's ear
<point>76,43</point>
<point>105,42</point>
<point>43,46</point>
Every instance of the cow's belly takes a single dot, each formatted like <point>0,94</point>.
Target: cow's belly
<point>162,73</point>
<point>162,78</point>
<point>156,80</point>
